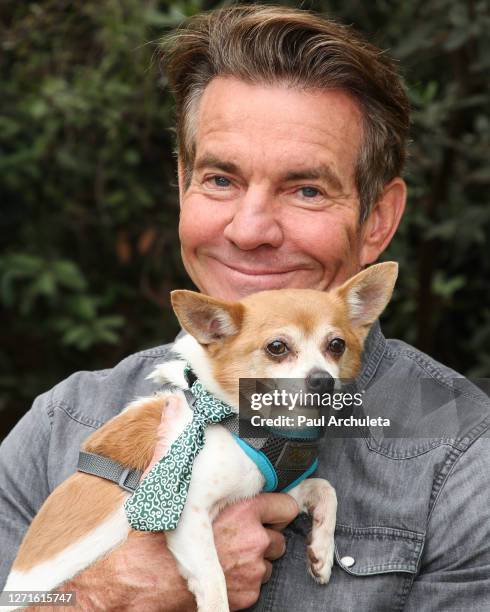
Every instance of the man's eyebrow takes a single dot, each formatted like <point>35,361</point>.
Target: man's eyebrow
<point>322,172</point>
<point>211,161</point>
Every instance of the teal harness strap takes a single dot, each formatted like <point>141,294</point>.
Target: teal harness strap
<point>282,479</point>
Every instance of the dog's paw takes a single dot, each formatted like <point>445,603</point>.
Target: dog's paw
<point>320,554</point>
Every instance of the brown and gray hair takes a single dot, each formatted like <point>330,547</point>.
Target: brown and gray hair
<point>279,45</point>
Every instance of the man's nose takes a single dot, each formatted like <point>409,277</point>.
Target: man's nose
<point>319,381</point>
<point>254,223</point>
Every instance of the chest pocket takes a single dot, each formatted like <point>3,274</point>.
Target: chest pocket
<point>373,571</point>
<point>364,551</point>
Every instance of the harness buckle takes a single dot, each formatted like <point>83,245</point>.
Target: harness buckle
<point>122,480</point>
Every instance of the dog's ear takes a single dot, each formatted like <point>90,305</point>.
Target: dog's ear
<point>206,318</point>
<point>366,294</point>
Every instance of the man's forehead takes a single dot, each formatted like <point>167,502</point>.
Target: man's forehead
<point>311,134</point>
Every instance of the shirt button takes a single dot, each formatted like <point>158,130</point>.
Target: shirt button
<point>347,561</point>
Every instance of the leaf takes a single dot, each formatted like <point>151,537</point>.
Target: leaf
<point>446,287</point>
<point>82,307</point>
<point>45,284</point>
<point>75,336</point>
<point>68,274</point>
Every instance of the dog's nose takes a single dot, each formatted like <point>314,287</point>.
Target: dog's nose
<point>319,381</point>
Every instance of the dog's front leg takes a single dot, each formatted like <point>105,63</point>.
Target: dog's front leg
<point>192,544</point>
<point>317,497</point>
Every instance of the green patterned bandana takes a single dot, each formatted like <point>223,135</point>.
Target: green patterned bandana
<point>158,501</point>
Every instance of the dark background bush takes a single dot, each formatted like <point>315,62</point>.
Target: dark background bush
<point>89,203</point>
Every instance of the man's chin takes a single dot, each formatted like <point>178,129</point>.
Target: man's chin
<point>236,287</point>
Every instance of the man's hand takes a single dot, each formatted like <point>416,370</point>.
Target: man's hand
<point>247,536</point>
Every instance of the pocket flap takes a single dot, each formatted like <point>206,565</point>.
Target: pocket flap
<point>362,551</point>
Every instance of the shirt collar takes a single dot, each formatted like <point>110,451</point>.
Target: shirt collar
<point>374,348</point>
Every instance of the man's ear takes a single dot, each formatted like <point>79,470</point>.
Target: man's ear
<point>366,294</point>
<point>382,223</point>
<point>206,318</point>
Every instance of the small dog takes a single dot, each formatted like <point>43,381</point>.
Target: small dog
<point>290,333</point>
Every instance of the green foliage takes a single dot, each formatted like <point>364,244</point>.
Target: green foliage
<point>89,204</point>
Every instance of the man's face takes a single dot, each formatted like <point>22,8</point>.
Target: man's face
<point>272,202</point>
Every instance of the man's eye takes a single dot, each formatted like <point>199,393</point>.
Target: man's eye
<point>310,192</point>
<point>220,181</point>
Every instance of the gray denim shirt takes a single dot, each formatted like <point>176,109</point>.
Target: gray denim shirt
<point>413,523</point>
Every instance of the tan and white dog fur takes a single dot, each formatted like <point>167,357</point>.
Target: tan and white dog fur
<point>83,519</point>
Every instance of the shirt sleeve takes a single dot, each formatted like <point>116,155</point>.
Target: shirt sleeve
<point>23,479</point>
<point>455,570</point>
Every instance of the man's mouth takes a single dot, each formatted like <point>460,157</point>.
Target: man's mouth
<point>258,271</point>
<point>255,278</point>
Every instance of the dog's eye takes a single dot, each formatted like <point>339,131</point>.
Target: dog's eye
<point>336,347</point>
<point>277,348</point>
